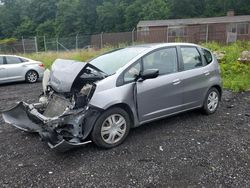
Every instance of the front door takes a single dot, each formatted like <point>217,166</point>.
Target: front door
<point>160,96</point>
<point>15,68</point>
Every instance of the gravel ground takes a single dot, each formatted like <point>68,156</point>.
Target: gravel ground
<point>188,150</point>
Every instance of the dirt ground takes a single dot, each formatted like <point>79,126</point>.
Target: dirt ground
<point>188,150</point>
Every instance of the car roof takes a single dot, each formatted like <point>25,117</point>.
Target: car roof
<point>14,56</point>
<point>158,45</point>
<point>11,55</point>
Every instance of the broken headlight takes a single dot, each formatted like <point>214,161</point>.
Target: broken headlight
<point>81,98</point>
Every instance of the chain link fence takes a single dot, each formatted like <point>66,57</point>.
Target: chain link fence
<point>27,45</point>
<point>193,34</point>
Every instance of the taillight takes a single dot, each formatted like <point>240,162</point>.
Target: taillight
<point>41,65</point>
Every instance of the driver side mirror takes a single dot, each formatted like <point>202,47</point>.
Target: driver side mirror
<point>148,74</point>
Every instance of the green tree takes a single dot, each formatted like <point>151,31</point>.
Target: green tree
<point>70,17</point>
<point>185,8</point>
<point>133,13</point>
<point>42,10</point>
<point>1,15</point>
<point>220,7</point>
<point>26,29</point>
<point>47,28</point>
<point>67,18</point>
<point>87,16</point>
<point>10,17</point>
<point>242,7</point>
<point>155,10</point>
<point>111,16</point>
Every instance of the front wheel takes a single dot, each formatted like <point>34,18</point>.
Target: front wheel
<point>211,102</point>
<point>31,76</point>
<point>111,128</point>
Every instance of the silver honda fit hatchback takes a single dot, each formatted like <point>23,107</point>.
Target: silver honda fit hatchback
<point>103,99</point>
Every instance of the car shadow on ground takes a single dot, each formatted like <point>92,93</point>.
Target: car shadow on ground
<point>17,83</point>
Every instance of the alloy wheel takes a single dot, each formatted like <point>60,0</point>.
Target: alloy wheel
<point>32,76</point>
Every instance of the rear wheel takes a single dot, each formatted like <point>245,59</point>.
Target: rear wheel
<point>31,76</point>
<point>111,128</point>
<point>211,102</point>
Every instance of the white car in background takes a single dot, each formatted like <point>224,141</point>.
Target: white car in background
<point>16,68</point>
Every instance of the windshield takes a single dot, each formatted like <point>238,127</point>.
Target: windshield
<point>109,63</point>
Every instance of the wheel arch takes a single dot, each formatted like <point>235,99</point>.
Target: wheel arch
<point>218,88</point>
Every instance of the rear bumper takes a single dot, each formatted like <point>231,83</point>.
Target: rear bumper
<point>40,74</point>
<point>27,118</point>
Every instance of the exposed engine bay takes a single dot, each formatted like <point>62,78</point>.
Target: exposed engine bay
<point>62,117</point>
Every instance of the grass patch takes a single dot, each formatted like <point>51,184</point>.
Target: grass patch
<point>236,76</point>
<point>81,55</point>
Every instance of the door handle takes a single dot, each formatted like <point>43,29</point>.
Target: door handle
<point>207,73</point>
<point>176,82</point>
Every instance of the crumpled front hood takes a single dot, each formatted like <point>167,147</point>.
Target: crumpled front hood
<point>63,74</point>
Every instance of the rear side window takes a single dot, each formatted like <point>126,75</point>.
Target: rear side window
<point>23,60</point>
<point>13,60</point>
<point>191,58</point>
<point>207,55</point>
<point>1,60</point>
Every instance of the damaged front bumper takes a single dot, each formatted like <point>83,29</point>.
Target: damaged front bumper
<point>62,132</point>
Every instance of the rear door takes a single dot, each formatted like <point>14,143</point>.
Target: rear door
<point>195,76</point>
<point>15,68</point>
<point>160,96</point>
<point>3,69</point>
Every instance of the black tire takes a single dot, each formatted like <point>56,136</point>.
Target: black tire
<point>97,134</point>
<point>207,109</point>
<point>31,76</point>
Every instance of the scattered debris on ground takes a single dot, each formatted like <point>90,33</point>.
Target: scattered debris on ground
<point>219,55</point>
<point>244,57</point>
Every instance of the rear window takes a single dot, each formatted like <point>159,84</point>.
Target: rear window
<point>23,60</point>
<point>207,55</point>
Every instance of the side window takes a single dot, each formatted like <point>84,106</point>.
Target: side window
<point>165,60</point>
<point>13,60</point>
<point>191,58</point>
<point>1,60</point>
<point>132,73</point>
<point>207,55</point>
<point>23,60</point>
